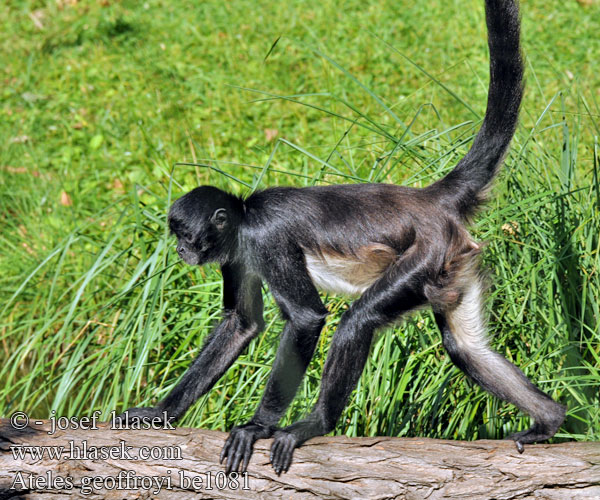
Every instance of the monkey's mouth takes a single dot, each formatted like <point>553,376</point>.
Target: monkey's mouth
<point>191,258</point>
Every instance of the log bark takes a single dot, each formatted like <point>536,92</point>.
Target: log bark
<point>324,468</point>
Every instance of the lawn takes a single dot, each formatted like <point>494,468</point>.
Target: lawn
<point>101,99</point>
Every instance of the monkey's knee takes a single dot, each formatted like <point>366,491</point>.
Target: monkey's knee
<point>246,327</point>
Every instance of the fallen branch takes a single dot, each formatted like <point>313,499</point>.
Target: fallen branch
<point>99,464</point>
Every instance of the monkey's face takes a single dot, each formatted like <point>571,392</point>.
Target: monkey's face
<point>197,240</point>
<point>201,221</point>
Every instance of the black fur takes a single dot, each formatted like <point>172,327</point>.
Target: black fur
<point>400,248</point>
<point>464,185</point>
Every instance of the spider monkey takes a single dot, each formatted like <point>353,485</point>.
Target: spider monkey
<point>396,248</point>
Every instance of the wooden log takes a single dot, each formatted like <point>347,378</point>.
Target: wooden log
<point>106,464</point>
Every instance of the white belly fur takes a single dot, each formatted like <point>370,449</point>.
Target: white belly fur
<point>336,274</point>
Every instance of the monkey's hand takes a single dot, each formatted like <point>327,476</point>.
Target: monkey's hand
<point>240,444</point>
<point>143,417</point>
<point>289,438</point>
<point>282,451</point>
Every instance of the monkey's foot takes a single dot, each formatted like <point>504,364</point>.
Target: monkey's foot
<point>240,444</point>
<point>146,417</point>
<point>537,432</point>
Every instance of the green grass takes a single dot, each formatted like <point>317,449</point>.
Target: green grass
<point>98,104</point>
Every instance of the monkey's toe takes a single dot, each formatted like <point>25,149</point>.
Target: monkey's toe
<point>282,451</point>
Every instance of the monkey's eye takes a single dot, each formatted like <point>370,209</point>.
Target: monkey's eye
<point>185,236</point>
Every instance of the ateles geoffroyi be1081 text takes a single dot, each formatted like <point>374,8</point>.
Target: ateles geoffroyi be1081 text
<point>395,247</point>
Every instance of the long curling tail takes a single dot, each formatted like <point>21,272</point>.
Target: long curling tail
<point>466,184</point>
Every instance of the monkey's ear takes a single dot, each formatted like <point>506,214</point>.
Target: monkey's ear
<point>219,218</point>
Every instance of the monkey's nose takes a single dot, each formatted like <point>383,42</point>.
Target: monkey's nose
<point>180,250</point>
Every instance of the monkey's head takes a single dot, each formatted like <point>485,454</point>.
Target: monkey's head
<point>205,221</point>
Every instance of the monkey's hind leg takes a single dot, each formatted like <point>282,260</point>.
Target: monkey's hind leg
<point>464,337</point>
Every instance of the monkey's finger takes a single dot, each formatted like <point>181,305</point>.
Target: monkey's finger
<point>287,459</point>
<point>237,457</point>
<point>274,456</point>
<point>247,456</point>
<point>276,466</point>
<point>225,449</point>
<point>279,458</point>
<point>274,447</point>
<point>231,451</point>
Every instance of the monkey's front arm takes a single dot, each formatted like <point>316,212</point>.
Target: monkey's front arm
<point>301,305</point>
<point>242,322</point>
